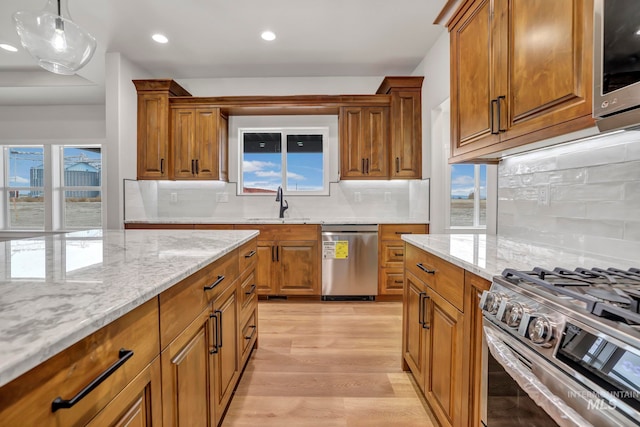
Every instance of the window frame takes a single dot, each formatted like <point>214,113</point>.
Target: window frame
<point>285,131</point>
<point>54,189</point>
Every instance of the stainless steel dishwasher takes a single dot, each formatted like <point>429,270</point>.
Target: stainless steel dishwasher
<point>349,262</point>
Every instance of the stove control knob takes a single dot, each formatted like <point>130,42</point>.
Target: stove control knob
<point>490,301</point>
<point>513,314</point>
<point>541,331</point>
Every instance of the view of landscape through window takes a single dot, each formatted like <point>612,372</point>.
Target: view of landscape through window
<point>265,155</point>
<point>468,187</point>
<point>80,178</point>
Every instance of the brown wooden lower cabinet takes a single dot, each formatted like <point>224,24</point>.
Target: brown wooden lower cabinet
<point>391,257</point>
<point>442,336</point>
<point>189,346</point>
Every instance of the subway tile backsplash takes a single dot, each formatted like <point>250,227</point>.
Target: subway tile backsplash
<point>594,195</point>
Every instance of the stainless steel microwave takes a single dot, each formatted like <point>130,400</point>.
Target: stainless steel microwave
<point>616,76</point>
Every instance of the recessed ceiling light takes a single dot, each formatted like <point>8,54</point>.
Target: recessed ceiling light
<point>268,36</point>
<point>638,32</point>
<point>8,47</point>
<point>160,38</point>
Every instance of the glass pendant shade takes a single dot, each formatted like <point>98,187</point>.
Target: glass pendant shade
<point>53,39</point>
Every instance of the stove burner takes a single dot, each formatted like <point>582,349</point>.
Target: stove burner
<point>610,293</point>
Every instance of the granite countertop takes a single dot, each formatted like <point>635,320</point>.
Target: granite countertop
<point>488,256</point>
<point>56,290</point>
<point>286,220</point>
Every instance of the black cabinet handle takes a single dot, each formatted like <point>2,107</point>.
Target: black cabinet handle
<point>425,269</point>
<point>251,290</point>
<point>219,335</point>
<point>214,284</point>
<point>253,332</point>
<point>273,254</point>
<point>499,113</point>
<point>421,308</point>
<point>493,118</point>
<point>397,164</point>
<point>363,169</point>
<point>424,312</point>
<point>60,403</point>
<point>398,254</point>
<point>404,232</point>
<point>250,254</point>
<point>399,281</point>
<point>161,166</point>
<point>192,167</point>
<point>214,349</point>
<point>367,166</point>
<point>278,253</point>
<point>197,166</point>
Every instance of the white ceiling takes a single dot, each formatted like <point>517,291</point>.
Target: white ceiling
<point>221,38</point>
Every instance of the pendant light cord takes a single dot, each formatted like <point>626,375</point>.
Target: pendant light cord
<point>59,12</point>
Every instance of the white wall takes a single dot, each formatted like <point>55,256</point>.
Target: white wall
<point>47,122</point>
<point>121,123</point>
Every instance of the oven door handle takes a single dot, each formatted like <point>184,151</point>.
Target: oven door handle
<point>553,405</point>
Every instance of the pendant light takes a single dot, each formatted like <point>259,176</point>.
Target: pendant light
<point>53,39</point>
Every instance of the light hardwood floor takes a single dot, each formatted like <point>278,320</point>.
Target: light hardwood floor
<point>328,364</point>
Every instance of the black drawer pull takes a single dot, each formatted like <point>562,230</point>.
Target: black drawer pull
<point>214,332</point>
<point>252,333</point>
<point>60,403</point>
<point>425,269</point>
<point>404,232</point>
<point>399,281</point>
<point>250,254</point>
<point>251,290</point>
<point>214,284</point>
<point>398,254</point>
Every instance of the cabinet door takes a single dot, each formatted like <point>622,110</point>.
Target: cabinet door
<point>266,267</point>
<point>443,373</point>
<point>549,75</point>
<point>352,156</point>
<point>226,359</point>
<point>182,131</point>
<point>474,62</point>
<point>139,404</point>
<point>186,375</point>
<point>223,148</point>
<point>406,134</point>
<point>206,153</point>
<point>298,267</point>
<point>376,140</point>
<point>414,340</point>
<point>153,136</point>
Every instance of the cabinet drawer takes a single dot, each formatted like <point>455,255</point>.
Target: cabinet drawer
<point>249,334</point>
<point>392,281</point>
<point>28,399</point>
<point>247,255</point>
<point>248,290</point>
<point>395,231</point>
<point>283,231</point>
<point>440,275</point>
<point>392,254</point>
<point>180,304</point>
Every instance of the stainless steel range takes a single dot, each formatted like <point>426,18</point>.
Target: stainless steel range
<point>570,342</point>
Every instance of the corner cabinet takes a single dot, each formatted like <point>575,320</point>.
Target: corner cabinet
<point>509,88</point>
<point>199,143</point>
<point>406,126</point>
<point>364,138</point>
<point>153,126</point>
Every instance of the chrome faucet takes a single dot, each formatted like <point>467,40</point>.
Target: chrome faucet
<point>280,198</point>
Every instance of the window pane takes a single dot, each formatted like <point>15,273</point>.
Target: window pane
<point>261,162</point>
<point>83,209</point>
<point>462,194</point>
<point>26,181</point>
<point>305,169</point>
<point>82,166</point>
<point>483,195</point>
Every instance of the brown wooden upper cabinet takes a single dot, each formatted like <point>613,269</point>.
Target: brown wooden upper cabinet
<point>406,125</point>
<point>364,138</point>
<point>153,126</point>
<point>199,143</point>
<point>521,71</point>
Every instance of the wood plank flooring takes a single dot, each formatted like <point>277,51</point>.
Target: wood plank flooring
<point>328,364</point>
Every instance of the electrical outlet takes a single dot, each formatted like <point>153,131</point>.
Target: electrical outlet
<point>543,195</point>
<point>174,198</point>
<point>222,197</point>
<point>357,197</point>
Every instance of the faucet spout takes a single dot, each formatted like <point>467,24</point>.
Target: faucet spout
<point>284,205</point>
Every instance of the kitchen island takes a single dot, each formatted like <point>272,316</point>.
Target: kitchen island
<point>57,292</point>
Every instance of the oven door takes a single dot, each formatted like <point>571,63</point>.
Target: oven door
<point>521,388</point>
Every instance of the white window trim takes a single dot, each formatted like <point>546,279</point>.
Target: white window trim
<point>287,130</point>
<point>53,189</point>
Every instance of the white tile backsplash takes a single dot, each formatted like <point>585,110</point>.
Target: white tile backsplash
<point>594,202</point>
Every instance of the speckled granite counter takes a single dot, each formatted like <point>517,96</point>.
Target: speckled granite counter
<point>56,290</point>
<point>488,256</point>
<point>287,220</point>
